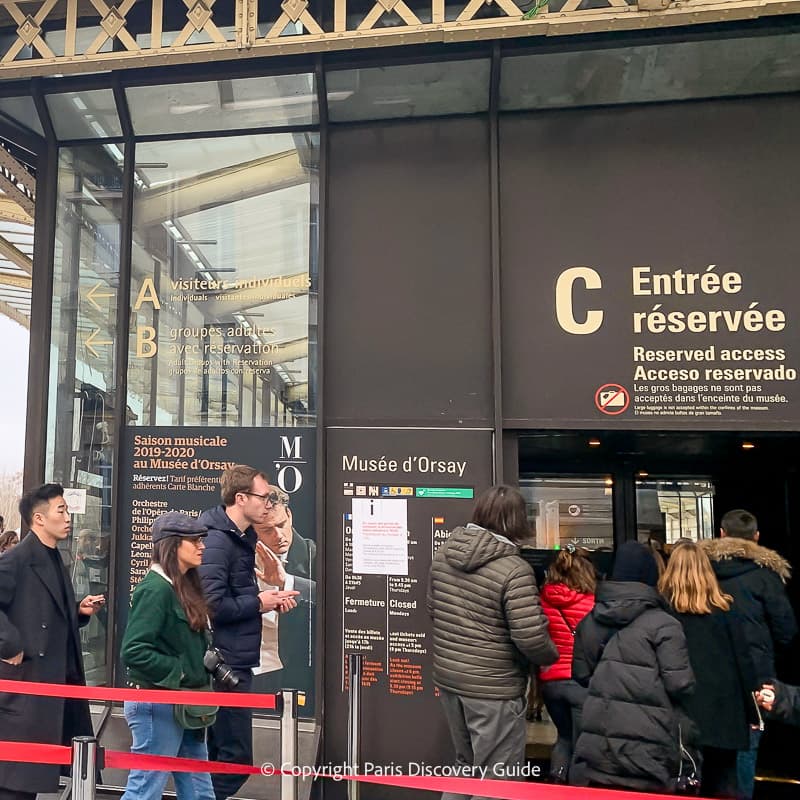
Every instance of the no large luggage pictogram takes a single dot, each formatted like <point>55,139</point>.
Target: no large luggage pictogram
<point>612,399</point>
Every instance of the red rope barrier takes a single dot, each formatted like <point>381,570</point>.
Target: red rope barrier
<point>39,753</point>
<point>170,696</point>
<point>501,790</point>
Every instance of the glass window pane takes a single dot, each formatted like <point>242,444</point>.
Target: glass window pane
<point>409,90</point>
<point>84,115</point>
<point>570,510</point>
<point>227,104</point>
<point>23,111</point>
<point>651,73</point>
<point>80,424</point>
<point>668,509</point>
<point>223,274</point>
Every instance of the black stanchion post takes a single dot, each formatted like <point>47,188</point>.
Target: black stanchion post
<point>355,661</point>
<point>288,700</point>
<point>84,767</point>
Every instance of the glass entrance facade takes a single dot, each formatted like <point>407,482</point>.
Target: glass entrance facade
<point>184,304</point>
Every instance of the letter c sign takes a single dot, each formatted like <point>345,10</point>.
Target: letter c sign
<point>565,312</point>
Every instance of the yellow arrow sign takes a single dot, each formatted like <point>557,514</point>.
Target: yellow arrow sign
<point>91,342</point>
<point>92,295</point>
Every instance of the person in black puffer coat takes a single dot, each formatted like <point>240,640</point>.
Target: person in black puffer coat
<point>488,629</point>
<point>633,657</point>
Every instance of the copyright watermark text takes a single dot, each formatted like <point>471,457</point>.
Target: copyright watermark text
<point>413,769</point>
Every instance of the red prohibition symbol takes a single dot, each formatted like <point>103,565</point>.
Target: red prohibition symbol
<point>612,399</point>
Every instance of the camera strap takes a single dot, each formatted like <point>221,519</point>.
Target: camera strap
<point>209,632</point>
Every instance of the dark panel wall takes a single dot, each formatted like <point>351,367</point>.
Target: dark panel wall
<point>408,337</point>
<point>673,186</point>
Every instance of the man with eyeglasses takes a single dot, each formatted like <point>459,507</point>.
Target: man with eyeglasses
<point>236,605</point>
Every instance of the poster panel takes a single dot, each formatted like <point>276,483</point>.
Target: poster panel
<point>661,291</point>
<point>381,483</point>
<point>170,469</point>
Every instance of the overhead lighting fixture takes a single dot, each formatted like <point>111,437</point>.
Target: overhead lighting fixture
<point>594,442</point>
<point>642,474</point>
<point>748,446</point>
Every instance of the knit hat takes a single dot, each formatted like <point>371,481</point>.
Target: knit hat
<point>635,562</point>
<point>173,523</point>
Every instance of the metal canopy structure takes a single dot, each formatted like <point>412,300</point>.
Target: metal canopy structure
<point>78,36</point>
<point>18,187</point>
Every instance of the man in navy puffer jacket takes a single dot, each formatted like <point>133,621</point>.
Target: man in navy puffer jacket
<point>236,606</point>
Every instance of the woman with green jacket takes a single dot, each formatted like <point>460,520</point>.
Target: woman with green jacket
<point>163,648</point>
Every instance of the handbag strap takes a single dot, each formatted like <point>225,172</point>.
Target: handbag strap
<point>566,621</point>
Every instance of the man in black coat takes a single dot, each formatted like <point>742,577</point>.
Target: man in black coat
<point>236,606</point>
<point>39,641</point>
<point>755,577</point>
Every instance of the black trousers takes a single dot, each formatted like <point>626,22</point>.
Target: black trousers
<point>564,702</point>
<point>230,740</point>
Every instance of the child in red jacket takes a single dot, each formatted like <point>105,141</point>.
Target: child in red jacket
<point>567,597</point>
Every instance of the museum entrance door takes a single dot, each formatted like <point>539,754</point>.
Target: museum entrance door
<point>596,489</point>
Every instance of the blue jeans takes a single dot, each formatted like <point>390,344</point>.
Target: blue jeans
<point>155,732</point>
<point>746,767</point>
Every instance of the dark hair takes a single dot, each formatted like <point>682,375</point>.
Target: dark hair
<point>237,479</point>
<point>740,523</point>
<point>187,585</point>
<point>7,540</point>
<point>34,499</point>
<point>573,568</point>
<point>501,509</point>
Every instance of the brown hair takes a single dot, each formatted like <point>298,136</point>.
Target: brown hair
<point>7,540</point>
<point>187,585</point>
<point>573,568</point>
<point>501,509</point>
<point>689,582</point>
<point>237,479</point>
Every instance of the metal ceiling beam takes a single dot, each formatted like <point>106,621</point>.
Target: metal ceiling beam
<point>17,182</point>
<point>17,316</point>
<point>17,281</point>
<point>219,187</point>
<point>15,255</point>
<point>25,53</point>
<point>11,211</point>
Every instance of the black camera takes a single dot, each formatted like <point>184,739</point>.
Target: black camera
<point>220,671</point>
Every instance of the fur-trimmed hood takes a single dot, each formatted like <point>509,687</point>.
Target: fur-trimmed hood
<point>734,556</point>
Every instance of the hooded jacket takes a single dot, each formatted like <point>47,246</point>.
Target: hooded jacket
<point>565,608</point>
<point>229,583</point>
<point>755,576</point>
<point>488,626</point>
<point>633,657</point>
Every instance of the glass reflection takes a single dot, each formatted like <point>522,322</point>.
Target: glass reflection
<point>570,510</point>
<point>80,425</point>
<point>228,104</point>
<point>223,325</point>
<point>84,115</point>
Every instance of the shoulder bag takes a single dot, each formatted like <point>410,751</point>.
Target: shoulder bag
<point>194,717</point>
